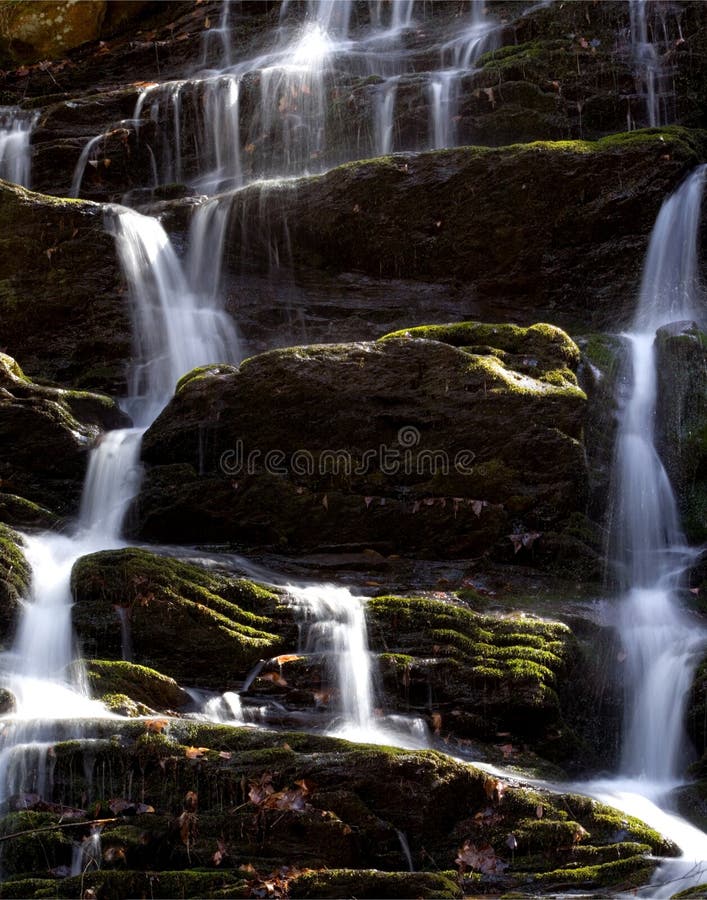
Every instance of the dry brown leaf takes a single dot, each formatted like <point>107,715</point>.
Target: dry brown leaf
<point>481,858</point>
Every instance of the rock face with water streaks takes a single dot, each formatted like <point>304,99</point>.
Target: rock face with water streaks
<point>50,431</point>
<point>682,415</point>
<point>69,329</point>
<point>516,233</point>
<point>456,441</point>
<point>220,797</point>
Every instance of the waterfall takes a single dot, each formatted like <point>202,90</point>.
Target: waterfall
<point>645,59</point>
<point>16,129</point>
<point>335,623</point>
<point>651,75</point>
<point>277,113</point>
<point>384,124</point>
<point>648,549</point>
<point>333,626</point>
<point>175,328</point>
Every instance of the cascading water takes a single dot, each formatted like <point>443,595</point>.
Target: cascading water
<point>333,627</point>
<point>15,133</point>
<point>646,59</point>
<point>653,76</point>
<point>647,545</point>
<point>662,643</point>
<point>295,124</point>
<point>176,328</point>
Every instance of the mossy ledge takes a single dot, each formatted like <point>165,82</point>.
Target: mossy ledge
<point>185,807</point>
<point>166,604</point>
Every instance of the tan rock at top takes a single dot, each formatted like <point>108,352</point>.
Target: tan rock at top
<point>31,30</point>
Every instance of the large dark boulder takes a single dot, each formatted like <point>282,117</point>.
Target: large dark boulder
<point>548,230</point>
<point>450,441</point>
<point>62,307</point>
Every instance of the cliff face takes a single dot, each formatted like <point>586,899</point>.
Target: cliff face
<point>425,413</point>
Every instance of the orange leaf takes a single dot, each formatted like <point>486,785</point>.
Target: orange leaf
<point>195,752</point>
<point>156,725</point>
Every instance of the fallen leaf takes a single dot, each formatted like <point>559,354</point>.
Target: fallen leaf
<point>195,752</point>
<point>156,725</point>
<point>481,858</point>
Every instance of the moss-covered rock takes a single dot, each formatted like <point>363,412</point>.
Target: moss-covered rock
<point>478,675</point>
<point>15,578</point>
<point>22,513</point>
<point>344,883</point>
<point>411,444</point>
<point>213,797</point>
<point>108,678</point>
<point>454,217</point>
<point>199,627</point>
<point>34,417</point>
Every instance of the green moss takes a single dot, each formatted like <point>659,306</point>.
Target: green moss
<point>602,350</point>
<point>370,883</point>
<point>514,53</point>
<point>15,573</point>
<point>34,852</point>
<point>24,888</point>
<point>548,345</point>
<point>111,678</point>
<point>620,875</point>
<point>202,372</point>
<point>175,604</point>
<point>23,513</point>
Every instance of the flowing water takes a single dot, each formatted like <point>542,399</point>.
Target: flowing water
<point>176,328</point>
<point>650,39</point>
<point>15,134</point>
<point>663,643</point>
<point>294,122</point>
<point>333,627</point>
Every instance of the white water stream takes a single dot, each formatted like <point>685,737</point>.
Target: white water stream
<point>15,133</point>
<point>663,643</point>
<point>176,328</point>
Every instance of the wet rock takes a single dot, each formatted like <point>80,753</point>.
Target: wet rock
<point>681,363</point>
<point>8,701</point>
<point>213,795</point>
<point>407,216</point>
<point>34,418</point>
<point>22,513</point>
<point>439,442</point>
<point>200,628</point>
<point>143,686</point>
<point>343,883</point>
<point>15,578</point>
<point>61,303</point>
